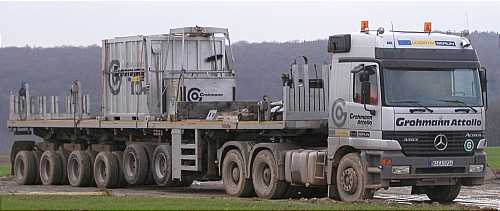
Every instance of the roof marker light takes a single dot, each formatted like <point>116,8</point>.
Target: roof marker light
<point>428,27</point>
<point>364,26</point>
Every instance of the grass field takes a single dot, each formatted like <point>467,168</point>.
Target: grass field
<point>493,157</point>
<point>4,170</point>
<point>156,203</point>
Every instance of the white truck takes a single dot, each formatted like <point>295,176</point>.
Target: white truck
<point>392,109</point>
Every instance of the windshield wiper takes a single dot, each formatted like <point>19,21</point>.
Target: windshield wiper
<point>414,102</point>
<point>461,102</point>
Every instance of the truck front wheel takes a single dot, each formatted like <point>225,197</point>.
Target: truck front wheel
<point>443,193</point>
<point>265,176</point>
<point>351,179</point>
<point>234,175</point>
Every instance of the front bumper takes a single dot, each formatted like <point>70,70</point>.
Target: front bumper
<point>422,173</point>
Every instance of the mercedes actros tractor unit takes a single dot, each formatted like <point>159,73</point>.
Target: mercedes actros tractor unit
<point>396,108</point>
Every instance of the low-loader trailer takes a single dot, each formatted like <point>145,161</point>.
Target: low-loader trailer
<point>392,109</point>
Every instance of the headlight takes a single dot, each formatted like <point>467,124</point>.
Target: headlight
<point>401,169</point>
<point>476,168</point>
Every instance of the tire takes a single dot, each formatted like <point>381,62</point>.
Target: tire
<point>162,165</point>
<point>443,193</point>
<point>234,175</point>
<point>351,179</point>
<point>106,170</point>
<point>135,164</point>
<point>25,168</point>
<point>121,179</point>
<point>51,168</point>
<point>265,176</point>
<point>38,155</point>
<point>92,156</point>
<point>64,159</point>
<point>149,151</point>
<point>79,169</point>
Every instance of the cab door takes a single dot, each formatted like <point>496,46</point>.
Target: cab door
<point>364,116</point>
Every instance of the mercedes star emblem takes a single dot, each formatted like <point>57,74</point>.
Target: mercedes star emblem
<point>440,142</point>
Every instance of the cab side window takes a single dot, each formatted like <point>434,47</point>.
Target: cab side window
<point>358,98</point>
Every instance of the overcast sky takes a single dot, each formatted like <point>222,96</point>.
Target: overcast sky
<point>86,23</point>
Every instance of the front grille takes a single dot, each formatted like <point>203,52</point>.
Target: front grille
<point>421,143</point>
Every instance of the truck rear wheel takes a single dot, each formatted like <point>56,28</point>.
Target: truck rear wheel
<point>135,164</point>
<point>162,165</point>
<point>51,168</point>
<point>265,176</point>
<point>79,169</point>
<point>443,193</point>
<point>234,175</point>
<point>351,179</point>
<point>106,170</point>
<point>25,168</point>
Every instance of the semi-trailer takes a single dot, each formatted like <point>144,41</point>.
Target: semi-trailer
<point>394,108</point>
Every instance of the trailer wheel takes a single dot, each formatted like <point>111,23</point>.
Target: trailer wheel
<point>135,164</point>
<point>162,165</point>
<point>265,176</point>
<point>64,159</point>
<point>351,179</point>
<point>50,168</point>
<point>79,169</point>
<point>25,168</point>
<point>121,180</point>
<point>38,155</point>
<point>234,175</point>
<point>92,156</point>
<point>443,193</point>
<point>106,170</point>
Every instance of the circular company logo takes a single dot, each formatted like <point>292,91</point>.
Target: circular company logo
<point>339,116</point>
<point>440,142</point>
<point>194,94</point>
<point>469,145</point>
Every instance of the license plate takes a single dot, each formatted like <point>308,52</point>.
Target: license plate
<point>442,163</point>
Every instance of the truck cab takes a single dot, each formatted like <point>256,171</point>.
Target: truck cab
<point>412,104</point>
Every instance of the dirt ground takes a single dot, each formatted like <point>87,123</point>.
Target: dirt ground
<point>485,196</point>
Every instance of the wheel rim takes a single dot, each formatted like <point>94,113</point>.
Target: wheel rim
<point>45,171</point>
<point>266,175</point>
<point>75,168</point>
<point>235,173</point>
<point>349,180</point>
<point>161,166</point>
<point>131,164</point>
<point>19,169</point>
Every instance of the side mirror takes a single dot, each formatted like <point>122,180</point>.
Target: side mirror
<point>484,86</point>
<point>365,91</point>
<point>482,77</point>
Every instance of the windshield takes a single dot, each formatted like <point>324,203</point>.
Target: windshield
<point>432,87</point>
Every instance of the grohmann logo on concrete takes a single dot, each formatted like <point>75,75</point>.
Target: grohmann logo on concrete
<point>402,122</point>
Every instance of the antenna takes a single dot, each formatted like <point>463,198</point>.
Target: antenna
<point>393,37</point>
